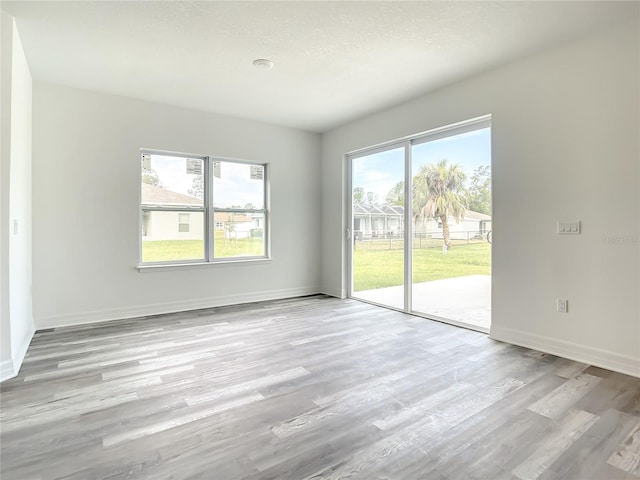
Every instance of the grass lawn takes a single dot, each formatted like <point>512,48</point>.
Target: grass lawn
<point>373,267</point>
<point>385,268</point>
<point>168,250</point>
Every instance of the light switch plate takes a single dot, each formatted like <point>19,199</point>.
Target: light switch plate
<point>563,305</point>
<point>569,228</point>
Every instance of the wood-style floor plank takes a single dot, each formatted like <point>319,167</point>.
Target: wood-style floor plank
<point>309,388</point>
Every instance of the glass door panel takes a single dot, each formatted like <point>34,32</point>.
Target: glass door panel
<point>451,253</point>
<point>378,255</point>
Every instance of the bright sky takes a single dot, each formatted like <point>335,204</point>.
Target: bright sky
<point>378,173</point>
<point>234,187</point>
<point>172,172</point>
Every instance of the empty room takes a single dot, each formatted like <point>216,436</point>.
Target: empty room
<point>320,240</point>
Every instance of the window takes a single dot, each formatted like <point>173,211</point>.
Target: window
<point>238,203</point>
<point>183,222</point>
<point>220,207</point>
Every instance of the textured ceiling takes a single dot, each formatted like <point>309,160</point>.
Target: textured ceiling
<point>334,61</point>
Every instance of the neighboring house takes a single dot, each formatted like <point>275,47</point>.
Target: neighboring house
<point>377,220</point>
<point>473,223</point>
<point>481,220</point>
<point>163,225</point>
<point>173,225</point>
<point>236,225</point>
<point>374,221</point>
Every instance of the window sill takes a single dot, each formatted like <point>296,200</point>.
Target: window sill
<point>167,267</point>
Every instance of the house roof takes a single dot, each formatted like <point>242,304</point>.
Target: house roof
<point>395,210</point>
<point>367,209</point>
<point>231,217</point>
<point>392,209</point>
<point>471,215</point>
<point>154,195</point>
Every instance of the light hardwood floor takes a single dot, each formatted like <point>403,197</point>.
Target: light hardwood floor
<point>310,388</point>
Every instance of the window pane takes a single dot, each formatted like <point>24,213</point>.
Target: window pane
<point>240,235</point>
<point>452,213</point>
<point>378,227</point>
<point>172,181</point>
<point>237,185</point>
<point>166,238</point>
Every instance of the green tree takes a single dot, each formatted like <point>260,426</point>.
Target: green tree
<point>479,192</point>
<point>439,193</point>
<point>396,194</point>
<point>372,198</point>
<point>197,187</point>
<point>150,176</point>
<point>358,195</point>
<point>230,237</point>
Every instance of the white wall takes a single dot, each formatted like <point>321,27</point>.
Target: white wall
<point>565,145</point>
<point>17,316</point>
<point>86,184</point>
<point>6,41</point>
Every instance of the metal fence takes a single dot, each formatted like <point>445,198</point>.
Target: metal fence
<point>394,240</point>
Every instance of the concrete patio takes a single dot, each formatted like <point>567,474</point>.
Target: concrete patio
<point>464,300</point>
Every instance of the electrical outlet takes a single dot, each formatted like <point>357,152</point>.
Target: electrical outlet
<point>563,305</point>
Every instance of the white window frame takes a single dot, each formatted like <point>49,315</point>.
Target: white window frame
<point>208,212</point>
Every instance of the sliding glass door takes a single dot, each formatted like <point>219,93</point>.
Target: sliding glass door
<point>451,257</point>
<point>435,259</point>
<point>377,209</point>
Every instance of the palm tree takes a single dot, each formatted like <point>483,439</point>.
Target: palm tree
<point>439,193</point>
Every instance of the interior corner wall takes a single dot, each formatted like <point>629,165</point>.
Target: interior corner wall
<point>86,184</point>
<point>16,245</point>
<point>565,146</point>
<point>6,40</point>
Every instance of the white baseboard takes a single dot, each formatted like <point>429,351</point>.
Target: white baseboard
<point>10,368</point>
<point>6,370</point>
<point>573,351</point>
<point>331,292</point>
<point>83,318</point>
<point>21,351</point>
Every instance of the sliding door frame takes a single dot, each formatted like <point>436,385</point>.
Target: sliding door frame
<point>407,143</point>
<point>350,230</point>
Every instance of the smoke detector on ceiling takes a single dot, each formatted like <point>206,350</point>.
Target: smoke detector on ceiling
<point>263,63</point>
